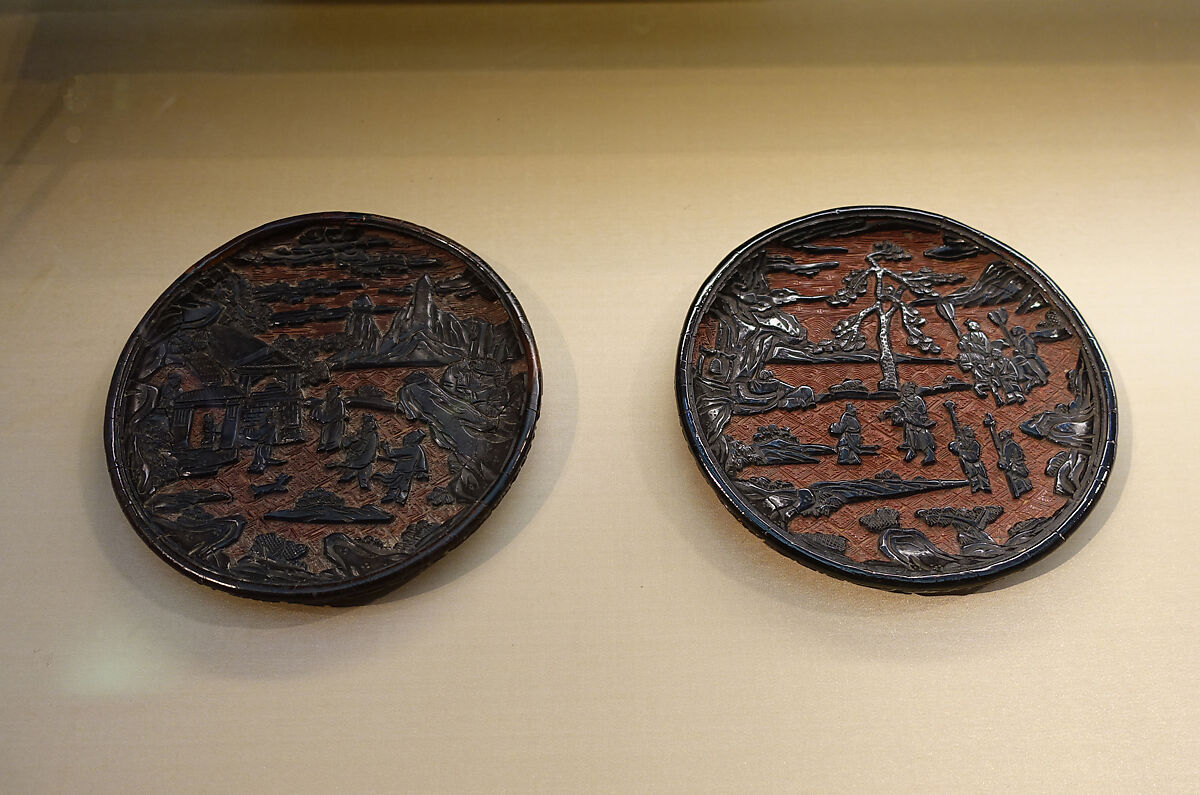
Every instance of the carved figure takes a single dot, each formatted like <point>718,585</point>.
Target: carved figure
<point>208,433</point>
<point>974,345</point>
<point>1031,370</point>
<point>985,360</point>
<point>410,465</point>
<point>1010,459</point>
<point>333,414</point>
<point>1003,379</point>
<point>911,414</point>
<point>361,450</point>
<point>848,430</point>
<point>968,450</point>
<point>267,437</point>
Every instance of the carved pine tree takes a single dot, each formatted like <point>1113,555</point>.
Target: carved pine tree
<point>889,288</point>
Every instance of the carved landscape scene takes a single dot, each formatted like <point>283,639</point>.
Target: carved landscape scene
<point>322,405</point>
<point>894,398</point>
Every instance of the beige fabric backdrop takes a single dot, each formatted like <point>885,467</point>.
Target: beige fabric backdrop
<point>611,627</point>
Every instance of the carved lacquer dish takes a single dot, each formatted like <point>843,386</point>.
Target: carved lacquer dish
<point>895,398</point>
<point>321,408</point>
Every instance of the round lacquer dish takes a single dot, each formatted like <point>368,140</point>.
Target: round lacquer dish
<point>895,398</point>
<point>321,408</point>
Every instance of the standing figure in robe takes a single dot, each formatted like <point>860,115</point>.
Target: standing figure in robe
<point>849,432</point>
<point>1032,369</point>
<point>333,414</point>
<point>266,439</point>
<point>410,465</point>
<point>1010,459</point>
<point>969,452</point>
<point>911,414</point>
<point>361,450</point>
